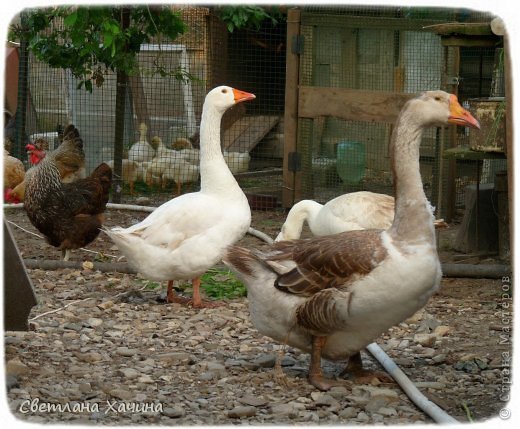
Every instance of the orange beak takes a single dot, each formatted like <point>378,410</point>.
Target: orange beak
<point>242,96</point>
<point>460,116</point>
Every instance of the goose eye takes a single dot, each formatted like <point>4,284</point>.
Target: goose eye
<point>437,98</point>
<point>224,91</point>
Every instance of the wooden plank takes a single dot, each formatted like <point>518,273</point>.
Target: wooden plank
<point>247,132</point>
<point>349,21</point>
<point>351,104</point>
<point>464,28</point>
<point>292,75</point>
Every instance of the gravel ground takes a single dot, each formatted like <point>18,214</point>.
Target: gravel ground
<point>113,354</point>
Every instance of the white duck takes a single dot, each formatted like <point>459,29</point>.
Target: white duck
<point>348,212</point>
<point>333,295</point>
<point>141,151</point>
<point>187,235</point>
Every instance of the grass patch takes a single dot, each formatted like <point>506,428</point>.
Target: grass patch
<point>222,283</point>
<point>151,285</point>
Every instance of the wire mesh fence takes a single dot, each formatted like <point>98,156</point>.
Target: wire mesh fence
<point>163,105</point>
<point>387,49</point>
<point>378,49</point>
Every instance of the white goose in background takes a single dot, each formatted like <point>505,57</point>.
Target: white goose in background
<point>141,151</point>
<point>189,234</point>
<point>348,212</point>
<point>334,295</point>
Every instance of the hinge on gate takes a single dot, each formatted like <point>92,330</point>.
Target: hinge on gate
<point>454,80</point>
<point>298,42</point>
<point>294,161</point>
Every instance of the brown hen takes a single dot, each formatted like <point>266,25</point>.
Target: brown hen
<point>70,215</point>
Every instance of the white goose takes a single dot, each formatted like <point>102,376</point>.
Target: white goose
<point>187,235</point>
<point>348,212</point>
<point>333,295</point>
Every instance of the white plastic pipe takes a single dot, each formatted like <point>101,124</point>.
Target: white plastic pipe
<point>430,408</point>
<point>149,209</point>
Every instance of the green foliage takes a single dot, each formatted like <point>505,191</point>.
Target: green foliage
<point>237,17</point>
<point>92,40</point>
<point>221,283</point>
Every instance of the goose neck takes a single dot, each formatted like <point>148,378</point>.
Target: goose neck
<point>214,172</point>
<point>413,218</point>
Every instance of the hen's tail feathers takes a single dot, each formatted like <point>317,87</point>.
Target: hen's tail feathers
<point>69,155</point>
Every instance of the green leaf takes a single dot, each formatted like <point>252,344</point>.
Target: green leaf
<point>70,20</point>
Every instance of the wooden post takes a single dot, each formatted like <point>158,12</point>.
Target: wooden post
<point>140,102</point>
<point>292,74</point>
<point>451,190</point>
<point>121,88</point>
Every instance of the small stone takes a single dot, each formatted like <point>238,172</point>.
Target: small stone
<point>207,376</point>
<point>348,413</point>
<point>85,387</point>
<point>73,326</point>
<point>441,330</point>
<point>129,373</point>
<point>430,384</point>
<point>242,411</point>
<point>338,392</point>
<point>174,412</point>
<point>427,352</point>
<point>289,361</point>
<point>89,357</point>
<point>284,410</point>
<point>106,305</point>
<point>440,358</point>
<point>94,322</point>
<point>321,398</point>
<point>127,352</point>
<point>215,366</point>
<point>252,400</point>
<point>362,417</point>
<point>387,411</point>
<point>405,362</point>
<point>145,378</point>
<point>376,403</point>
<point>425,340</point>
<point>265,361</point>
<point>176,358</point>
<point>123,394</point>
<point>16,367</point>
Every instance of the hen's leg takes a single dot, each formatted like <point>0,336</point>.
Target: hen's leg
<point>316,377</point>
<point>355,372</point>
<point>65,253</point>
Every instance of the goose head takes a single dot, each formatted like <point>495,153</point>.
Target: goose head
<point>438,108</point>
<point>223,97</point>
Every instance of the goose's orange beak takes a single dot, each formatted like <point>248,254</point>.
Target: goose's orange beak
<point>460,116</point>
<point>242,95</point>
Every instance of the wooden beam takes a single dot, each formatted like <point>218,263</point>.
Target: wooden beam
<point>351,104</point>
<point>292,75</point>
<point>470,41</point>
